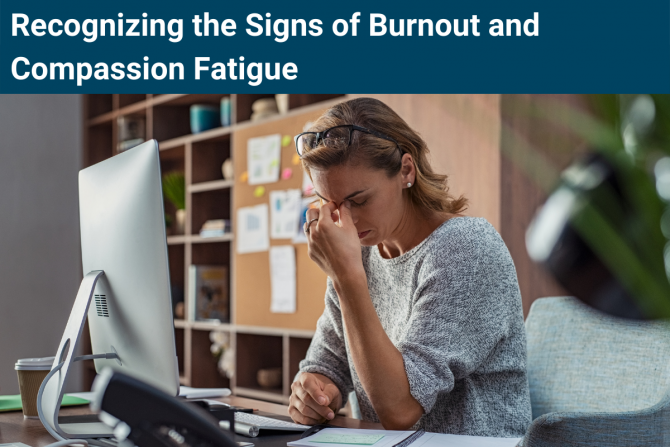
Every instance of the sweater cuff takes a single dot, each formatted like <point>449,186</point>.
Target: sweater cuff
<point>421,387</point>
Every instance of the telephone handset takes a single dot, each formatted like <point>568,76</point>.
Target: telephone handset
<point>150,418</point>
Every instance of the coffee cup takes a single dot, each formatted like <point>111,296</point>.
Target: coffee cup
<point>31,373</point>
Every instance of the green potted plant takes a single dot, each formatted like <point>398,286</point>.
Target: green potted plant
<point>174,190</point>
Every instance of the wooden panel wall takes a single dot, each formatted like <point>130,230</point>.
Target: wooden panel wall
<point>520,196</point>
<point>463,135</point>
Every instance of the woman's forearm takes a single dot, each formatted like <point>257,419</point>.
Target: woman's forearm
<point>378,362</point>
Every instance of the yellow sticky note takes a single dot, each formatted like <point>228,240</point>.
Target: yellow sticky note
<point>245,176</point>
<point>296,159</point>
<point>286,140</point>
<point>259,191</point>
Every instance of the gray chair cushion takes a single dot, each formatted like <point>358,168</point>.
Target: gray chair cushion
<point>582,360</point>
<point>594,379</point>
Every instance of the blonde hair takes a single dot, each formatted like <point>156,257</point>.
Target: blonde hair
<point>429,191</point>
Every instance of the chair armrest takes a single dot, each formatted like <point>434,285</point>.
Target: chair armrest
<point>647,427</point>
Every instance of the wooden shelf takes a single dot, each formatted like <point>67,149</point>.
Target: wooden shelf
<point>177,240</point>
<point>208,196</point>
<point>262,394</point>
<point>211,186</point>
<point>210,240</point>
<point>244,329</point>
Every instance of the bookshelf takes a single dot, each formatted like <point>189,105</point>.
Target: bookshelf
<point>256,343</point>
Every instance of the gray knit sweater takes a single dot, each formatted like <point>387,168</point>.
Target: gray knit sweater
<point>452,307</point>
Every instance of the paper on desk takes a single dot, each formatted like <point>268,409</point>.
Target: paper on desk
<point>393,437</point>
<point>282,279</point>
<point>284,213</point>
<point>389,438</point>
<point>201,393</point>
<point>252,229</point>
<point>439,440</point>
<point>263,156</point>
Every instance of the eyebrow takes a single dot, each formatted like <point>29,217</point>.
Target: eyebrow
<point>347,197</point>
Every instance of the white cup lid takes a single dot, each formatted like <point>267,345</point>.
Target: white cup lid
<point>41,363</point>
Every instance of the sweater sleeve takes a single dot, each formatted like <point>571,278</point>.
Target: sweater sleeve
<point>327,353</point>
<point>461,312</point>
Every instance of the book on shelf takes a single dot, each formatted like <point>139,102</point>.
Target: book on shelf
<point>208,293</point>
<point>215,228</point>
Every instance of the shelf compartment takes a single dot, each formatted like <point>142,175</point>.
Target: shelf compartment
<point>256,352</point>
<point>209,205</point>
<point>99,105</point>
<point>208,375</point>
<point>208,156</point>
<point>172,160</point>
<point>261,394</point>
<point>100,146</point>
<point>179,343</point>
<point>172,117</point>
<point>128,99</point>
<point>211,254</point>
<point>176,262</point>
<point>170,122</point>
<point>243,106</point>
<point>297,349</point>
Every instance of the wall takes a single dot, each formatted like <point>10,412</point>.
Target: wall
<point>463,135</point>
<point>40,155</point>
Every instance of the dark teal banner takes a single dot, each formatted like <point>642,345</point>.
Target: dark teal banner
<point>328,47</point>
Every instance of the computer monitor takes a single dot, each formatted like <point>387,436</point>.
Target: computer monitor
<point>126,286</point>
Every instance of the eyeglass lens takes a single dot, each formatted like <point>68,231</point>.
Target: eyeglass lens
<point>337,137</point>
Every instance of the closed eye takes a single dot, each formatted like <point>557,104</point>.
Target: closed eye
<point>358,203</point>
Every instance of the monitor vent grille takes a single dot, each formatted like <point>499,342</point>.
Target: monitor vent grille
<point>101,305</point>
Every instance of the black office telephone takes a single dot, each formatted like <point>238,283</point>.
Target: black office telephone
<point>150,418</point>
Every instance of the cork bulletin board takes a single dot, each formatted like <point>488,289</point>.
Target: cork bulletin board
<point>252,270</point>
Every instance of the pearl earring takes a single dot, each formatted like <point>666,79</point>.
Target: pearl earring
<point>409,184</point>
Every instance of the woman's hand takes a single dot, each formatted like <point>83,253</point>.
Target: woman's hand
<point>314,399</point>
<point>336,249</point>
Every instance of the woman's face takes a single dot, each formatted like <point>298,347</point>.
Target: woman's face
<point>377,203</point>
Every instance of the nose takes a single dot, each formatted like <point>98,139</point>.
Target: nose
<point>354,216</point>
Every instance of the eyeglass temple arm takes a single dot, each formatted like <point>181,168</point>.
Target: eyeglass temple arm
<point>379,135</point>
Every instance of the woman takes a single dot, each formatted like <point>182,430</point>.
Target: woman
<point>423,316</point>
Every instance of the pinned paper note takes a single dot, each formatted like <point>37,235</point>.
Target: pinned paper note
<point>282,279</point>
<point>284,213</point>
<point>287,173</point>
<point>252,229</point>
<point>259,191</point>
<point>300,236</point>
<point>338,438</point>
<point>263,159</point>
<point>286,140</point>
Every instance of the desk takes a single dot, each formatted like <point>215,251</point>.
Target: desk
<point>14,428</point>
